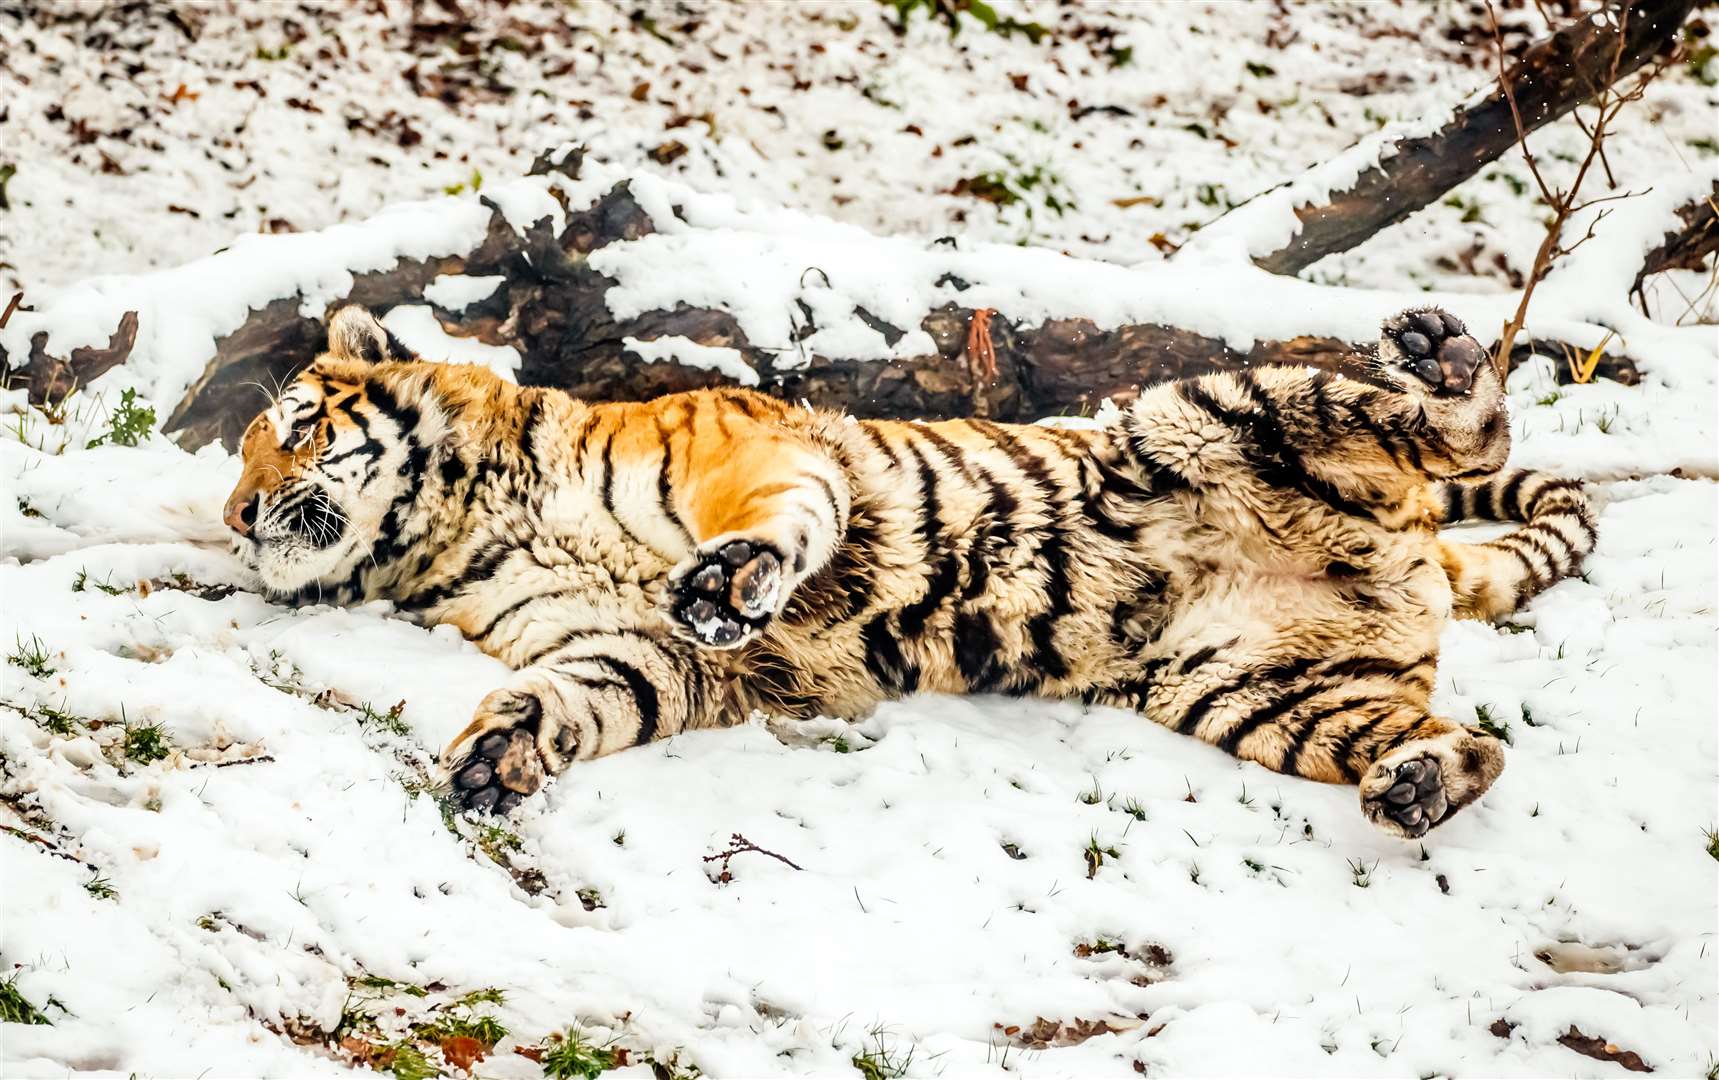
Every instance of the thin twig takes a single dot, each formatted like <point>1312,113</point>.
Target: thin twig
<point>739,845</point>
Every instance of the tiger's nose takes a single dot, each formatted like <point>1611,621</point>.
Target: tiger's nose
<point>242,510</point>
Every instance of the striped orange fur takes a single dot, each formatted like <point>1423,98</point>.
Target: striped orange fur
<point>1250,558</point>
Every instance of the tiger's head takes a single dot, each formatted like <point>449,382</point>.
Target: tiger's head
<point>325,463</point>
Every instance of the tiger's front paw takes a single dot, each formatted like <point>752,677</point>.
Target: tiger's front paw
<point>728,591</point>
<point>1436,348</point>
<point>507,752</point>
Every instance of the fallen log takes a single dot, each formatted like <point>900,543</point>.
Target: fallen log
<point>561,303</point>
<point>1686,248</point>
<point>1338,205</point>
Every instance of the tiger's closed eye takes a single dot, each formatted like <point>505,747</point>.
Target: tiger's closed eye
<point>302,431</point>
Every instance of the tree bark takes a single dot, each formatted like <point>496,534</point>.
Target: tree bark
<point>1553,77</point>
<point>1688,247</point>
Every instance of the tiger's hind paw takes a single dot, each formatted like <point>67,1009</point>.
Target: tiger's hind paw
<point>1436,348</point>
<point>1420,785</point>
<point>727,592</point>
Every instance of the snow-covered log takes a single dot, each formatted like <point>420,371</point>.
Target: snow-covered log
<point>614,286</point>
<point>1385,178</point>
<point>1686,248</point>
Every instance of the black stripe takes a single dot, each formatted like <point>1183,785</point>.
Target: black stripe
<point>570,636</point>
<point>995,523</point>
<point>1263,441</point>
<point>1200,656</point>
<point>976,649</point>
<point>1308,728</point>
<point>1190,719</point>
<point>1052,552</point>
<point>1510,499</point>
<point>1361,667</point>
<point>1265,714</point>
<point>608,492</point>
<point>665,501</point>
<point>884,660</point>
<point>1344,747</point>
<point>943,576</point>
<point>1452,503</point>
<point>645,701</point>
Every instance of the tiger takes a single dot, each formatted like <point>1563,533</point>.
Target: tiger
<point>1249,557</point>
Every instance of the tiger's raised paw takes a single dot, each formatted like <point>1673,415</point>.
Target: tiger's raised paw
<point>1411,790</point>
<point>1435,347</point>
<point>727,592</point>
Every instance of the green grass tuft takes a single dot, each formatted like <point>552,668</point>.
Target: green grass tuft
<point>146,743</point>
<point>390,721</point>
<point>15,1008</point>
<point>880,1062</point>
<point>101,888</point>
<point>1498,729</point>
<point>32,656</point>
<point>1713,841</point>
<point>572,1056</point>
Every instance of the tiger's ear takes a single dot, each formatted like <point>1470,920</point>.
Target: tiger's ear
<point>354,334</point>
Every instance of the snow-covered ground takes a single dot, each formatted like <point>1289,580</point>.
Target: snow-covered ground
<point>982,885</point>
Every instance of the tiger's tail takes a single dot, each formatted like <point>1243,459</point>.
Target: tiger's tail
<point>1492,579</point>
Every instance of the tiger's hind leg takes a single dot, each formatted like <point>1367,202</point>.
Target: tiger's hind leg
<point>1319,706</point>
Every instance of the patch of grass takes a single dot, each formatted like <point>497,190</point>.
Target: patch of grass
<point>265,53</point>
<point>570,1056</point>
<point>475,183</point>
<point>378,982</point>
<point>57,721</point>
<point>82,582</point>
<point>146,743</point>
<point>1498,729</point>
<point>15,1008</point>
<point>128,425</point>
<point>1362,873</point>
<point>1094,796</point>
<point>1712,835</point>
<point>390,721</point>
<point>1550,399</point>
<point>881,1062</point>
<point>1133,809</point>
<point>1470,209</point>
<point>1096,853</point>
<point>496,841</point>
<point>409,1063</point>
<point>101,888</point>
<point>839,744</point>
<point>24,506</point>
<point>950,12</point>
<point>32,656</point>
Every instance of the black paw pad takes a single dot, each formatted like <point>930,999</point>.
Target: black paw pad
<point>500,772</point>
<point>1437,349</point>
<point>1416,799</point>
<point>731,594</point>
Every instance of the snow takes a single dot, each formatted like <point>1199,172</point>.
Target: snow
<point>673,347</point>
<point>1240,923</point>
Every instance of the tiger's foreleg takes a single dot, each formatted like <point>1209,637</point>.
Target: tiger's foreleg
<point>765,512</point>
<point>604,683</point>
